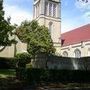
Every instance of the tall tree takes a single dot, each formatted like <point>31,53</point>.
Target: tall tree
<point>37,37</point>
<point>5,27</point>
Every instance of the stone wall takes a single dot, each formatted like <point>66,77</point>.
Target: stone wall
<point>63,63</point>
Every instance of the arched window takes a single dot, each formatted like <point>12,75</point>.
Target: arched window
<point>50,27</point>
<point>77,53</point>
<point>65,54</point>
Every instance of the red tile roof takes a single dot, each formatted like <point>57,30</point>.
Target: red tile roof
<point>76,36</point>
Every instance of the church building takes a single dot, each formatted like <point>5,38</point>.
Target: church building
<point>75,43</point>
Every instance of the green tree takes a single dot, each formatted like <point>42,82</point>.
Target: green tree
<point>5,27</point>
<point>20,62</point>
<point>37,37</point>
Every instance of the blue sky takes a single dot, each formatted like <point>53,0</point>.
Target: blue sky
<point>73,13</point>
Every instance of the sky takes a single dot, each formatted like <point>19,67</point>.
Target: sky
<point>74,13</point>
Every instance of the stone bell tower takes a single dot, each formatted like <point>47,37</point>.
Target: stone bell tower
<point>47,12</point>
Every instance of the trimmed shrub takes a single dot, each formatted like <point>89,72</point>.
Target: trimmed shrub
<point>22,59</point>
<point>38,75</point>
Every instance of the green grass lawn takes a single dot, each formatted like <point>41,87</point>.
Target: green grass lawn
<point>7,73</point>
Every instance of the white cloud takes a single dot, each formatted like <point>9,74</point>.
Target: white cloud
<point>85,8</point>
<point>83,5</point>
<point>17,15</point>
<point>86,16</point>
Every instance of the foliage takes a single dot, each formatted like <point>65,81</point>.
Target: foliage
<point>37,37</point>
<point>22,59</point>
<point>5,27</point>
<point>55,76</point>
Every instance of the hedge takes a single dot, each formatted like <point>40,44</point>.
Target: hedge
<point>7,63</point>
<point>38,75</point>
